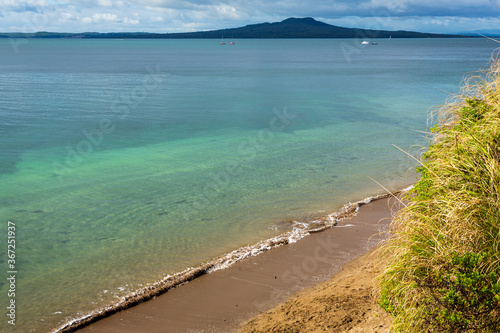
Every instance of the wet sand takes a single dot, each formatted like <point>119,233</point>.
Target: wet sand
<point>223,300</point>
<point>348,302</point>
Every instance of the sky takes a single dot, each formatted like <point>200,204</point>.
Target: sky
<point>439,16</point>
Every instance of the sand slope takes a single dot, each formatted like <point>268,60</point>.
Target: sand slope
<point>346,303</point>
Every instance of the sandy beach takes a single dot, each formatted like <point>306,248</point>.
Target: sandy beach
<point>348,302</point>
<point>224,300</point>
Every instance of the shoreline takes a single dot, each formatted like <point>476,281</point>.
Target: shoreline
<point>346,302</point>
<point>342,244</point>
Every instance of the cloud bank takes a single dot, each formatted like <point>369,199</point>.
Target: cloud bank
<point>195,15</point>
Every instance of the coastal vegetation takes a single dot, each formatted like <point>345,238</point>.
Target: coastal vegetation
<point>443,255</point>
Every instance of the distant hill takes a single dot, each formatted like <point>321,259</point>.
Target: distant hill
<point>302,28</point>
<point>289,28</point>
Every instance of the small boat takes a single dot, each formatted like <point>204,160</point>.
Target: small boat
<point>374,43</point>
<point>232,43</point>
<point>365,42</point>
<point>222,41</point>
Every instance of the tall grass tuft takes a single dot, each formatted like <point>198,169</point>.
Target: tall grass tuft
<point>443,255</point>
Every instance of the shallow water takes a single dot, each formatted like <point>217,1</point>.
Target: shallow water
<point>124,161</point>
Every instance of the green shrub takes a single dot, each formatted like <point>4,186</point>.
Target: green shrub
<point>463,298</point>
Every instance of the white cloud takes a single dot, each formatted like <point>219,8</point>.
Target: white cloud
<point>126,20</point>
<point>437,7</point>
<point>438,22</point>
<point>20,3</point>
<point>174,4</point>
<point>99,18</point>
<point>394,6</point>
<point>227,12</point>
<point>105,3</point>
<point>65,17</point>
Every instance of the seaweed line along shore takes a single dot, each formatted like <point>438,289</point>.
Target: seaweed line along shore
<point>299,231</point>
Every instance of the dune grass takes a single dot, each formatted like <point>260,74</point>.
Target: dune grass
<point>443,255</point>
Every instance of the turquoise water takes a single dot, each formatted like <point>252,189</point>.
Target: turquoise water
<point>124,161</point>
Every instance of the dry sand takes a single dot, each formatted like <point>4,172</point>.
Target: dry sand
<point>346,303</point>
<point>223,300</point>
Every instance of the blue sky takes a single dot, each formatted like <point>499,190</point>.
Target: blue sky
<point>442,16</point>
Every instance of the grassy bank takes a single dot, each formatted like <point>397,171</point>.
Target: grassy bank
<point>443,272</point>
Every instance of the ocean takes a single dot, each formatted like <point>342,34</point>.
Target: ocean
<point>125,161</point>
